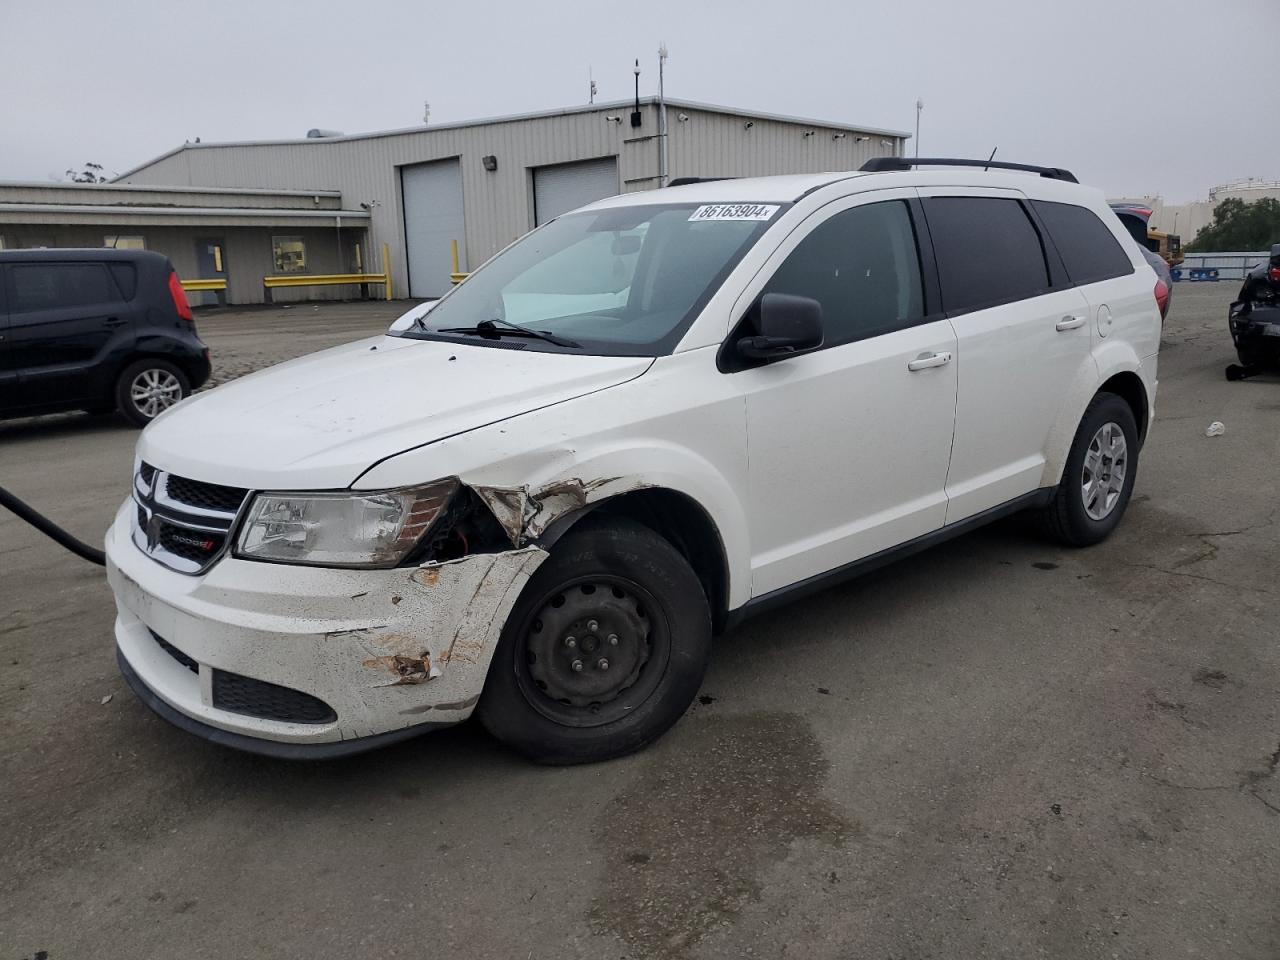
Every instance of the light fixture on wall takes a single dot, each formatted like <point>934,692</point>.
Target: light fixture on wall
<point>612,119</point>
<point>748,125</point>
<point>838,136</point>
<point>682,117</point>
<point>860,139</point>
<point>810,133</point>
<point>886,143</point>
<point>490,162</point>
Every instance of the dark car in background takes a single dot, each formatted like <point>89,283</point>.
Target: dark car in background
<point>95,330</point>
<point>1135,219</point>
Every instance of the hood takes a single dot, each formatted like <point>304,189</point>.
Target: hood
<point>320,421</point>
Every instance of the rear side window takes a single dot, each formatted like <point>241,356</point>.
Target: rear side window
<point>126,278</point>
<point>1090,251</point>
<point>988,252</point>
<point>862,265</point>
<point>50,286</point>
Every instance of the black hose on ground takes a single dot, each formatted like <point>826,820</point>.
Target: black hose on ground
<point>51,529</point>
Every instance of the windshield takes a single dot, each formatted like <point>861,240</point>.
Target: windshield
<point>626,281</point>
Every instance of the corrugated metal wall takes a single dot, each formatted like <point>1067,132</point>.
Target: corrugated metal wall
<point>499,204</point>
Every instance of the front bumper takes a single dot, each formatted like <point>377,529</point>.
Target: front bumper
<point>388,651</point>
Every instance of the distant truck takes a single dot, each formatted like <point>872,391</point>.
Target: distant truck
<point>1135,217</point>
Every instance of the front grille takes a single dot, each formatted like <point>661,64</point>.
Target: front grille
<point>207,496</point>
<point>174,652</point>
<point>257,698</point>
<point>182,523</point>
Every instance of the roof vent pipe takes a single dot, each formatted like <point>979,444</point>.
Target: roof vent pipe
<point>318,133</point>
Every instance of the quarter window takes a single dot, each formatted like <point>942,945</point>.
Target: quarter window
<point>988,252</point>
<point>51,286</point>
<point>289,254</point>
<point>1090,251</point>
<point>862,265</point>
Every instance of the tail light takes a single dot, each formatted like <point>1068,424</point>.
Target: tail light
<point>1274,273</point>
<point>1162,297</point>
<point>179,298</point>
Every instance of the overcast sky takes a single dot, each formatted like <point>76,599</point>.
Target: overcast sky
<point>1165,97</point>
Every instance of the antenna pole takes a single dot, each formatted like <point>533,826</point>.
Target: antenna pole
<point>662,119</point>
<point>919,107</point>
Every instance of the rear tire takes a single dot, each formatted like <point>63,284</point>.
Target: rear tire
<point>1098,478</point>
<point>603,652</point>
<point>149,387</point>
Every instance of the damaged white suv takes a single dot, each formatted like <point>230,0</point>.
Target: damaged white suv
<point>539,498</point>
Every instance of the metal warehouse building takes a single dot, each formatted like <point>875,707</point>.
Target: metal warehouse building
<point>326,205</point>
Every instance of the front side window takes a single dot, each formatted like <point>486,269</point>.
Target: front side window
<point>862,265</point>
<point>1089,251</point>
<point>52,286</point>
<point>625,281</point>
<point>988,252</point>
<point>289,254</point>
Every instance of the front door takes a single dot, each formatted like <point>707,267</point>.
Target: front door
<point>848,446</point>
<point>1022,335</point>
<point>211,264</point>
<point>64,318</point>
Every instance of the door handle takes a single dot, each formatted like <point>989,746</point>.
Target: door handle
<point>1069,323</point>
<point>927,360</point>
<point>114,321</point>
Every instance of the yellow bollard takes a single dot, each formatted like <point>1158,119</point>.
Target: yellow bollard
<point>386,268</point>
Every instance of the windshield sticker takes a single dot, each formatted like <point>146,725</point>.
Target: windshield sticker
<point>733,211</point>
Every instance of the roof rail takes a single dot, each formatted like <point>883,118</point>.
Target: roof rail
<point>886,164</point>
<point>685,181</point>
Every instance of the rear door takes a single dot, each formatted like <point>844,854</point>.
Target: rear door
<point>8,375</point>
<point>1022,333</point>
<point>64,320</point>
<point>1122,304</point>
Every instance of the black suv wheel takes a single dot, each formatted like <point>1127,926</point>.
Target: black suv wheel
<point>147,388</point>
<point>604,650</point>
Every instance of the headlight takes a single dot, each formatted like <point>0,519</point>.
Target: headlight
<point>352,529</point>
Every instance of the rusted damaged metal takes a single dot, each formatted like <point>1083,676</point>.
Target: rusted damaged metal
<point>525,515</point>
<point>407,670</point>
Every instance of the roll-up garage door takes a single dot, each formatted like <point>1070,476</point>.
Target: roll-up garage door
<point>565,186</point>
<point>432,218</point>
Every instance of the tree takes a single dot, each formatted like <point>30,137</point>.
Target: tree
<point>1238,225</point>
<point>92,173</point>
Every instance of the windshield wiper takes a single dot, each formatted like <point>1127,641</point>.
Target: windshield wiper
<point>489,328</point>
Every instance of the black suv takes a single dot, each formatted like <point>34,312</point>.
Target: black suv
<point>95,330</point>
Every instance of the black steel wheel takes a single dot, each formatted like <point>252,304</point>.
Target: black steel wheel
<point>604,650</point>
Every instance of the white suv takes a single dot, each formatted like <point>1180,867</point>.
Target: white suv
<point>540,497</point>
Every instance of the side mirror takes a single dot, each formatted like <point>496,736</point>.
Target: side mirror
<point>789,325</point>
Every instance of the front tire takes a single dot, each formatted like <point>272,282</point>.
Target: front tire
<point>1097,481</point>
<point>603,652</point>
<point>147,388</point>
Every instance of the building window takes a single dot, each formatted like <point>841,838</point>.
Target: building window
<point>119,242</point>
<point>290,254</point>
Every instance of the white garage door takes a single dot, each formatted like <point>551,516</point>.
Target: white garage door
<point>565,186</point>
<point>432,218</point>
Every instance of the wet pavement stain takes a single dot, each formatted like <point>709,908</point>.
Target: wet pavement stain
<point>687,844</point>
